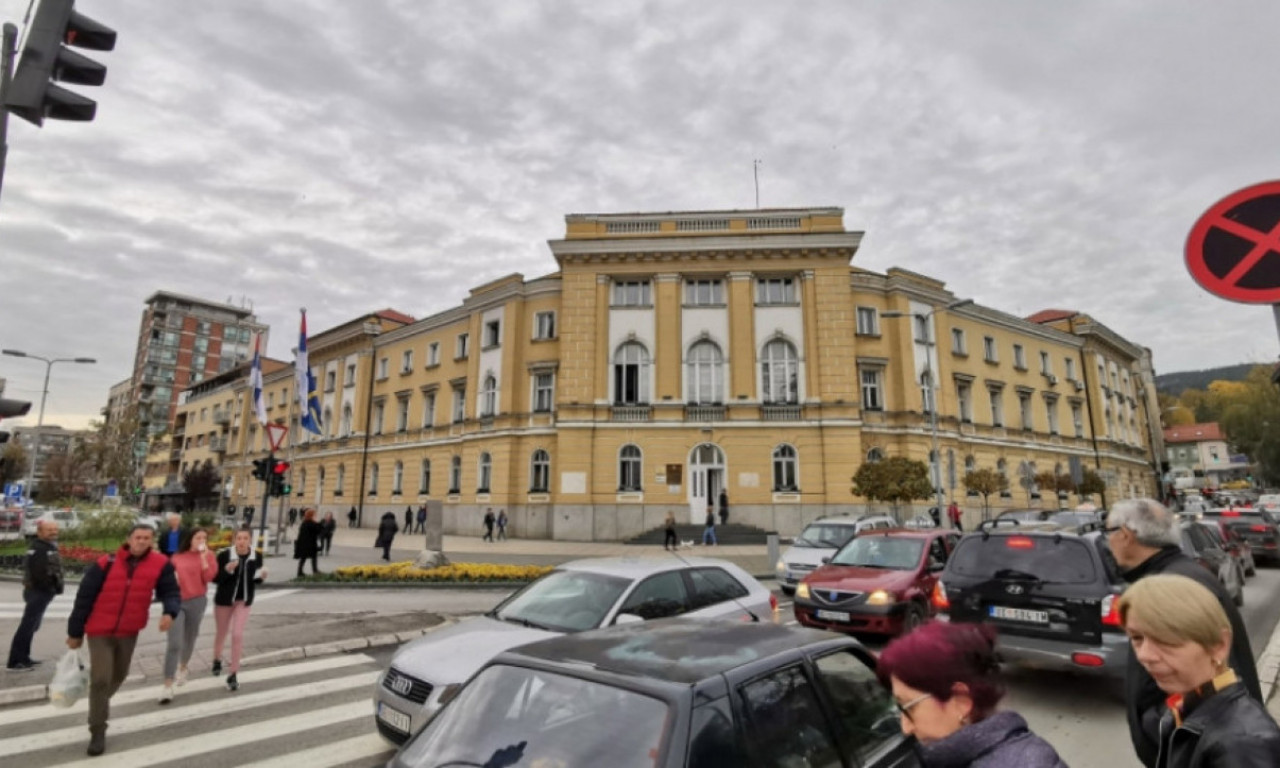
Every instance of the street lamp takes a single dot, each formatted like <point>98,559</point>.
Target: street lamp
<point>933,388</point>
<point>48,367</point>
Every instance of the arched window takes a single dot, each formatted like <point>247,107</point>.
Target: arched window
<point>485,470</point>
<point>784,469</point>
<point>969,464</point>
<point>1002,468</point>
<point>489,396</point>
<point>342,478</point>
<point>540,472</point>
<point>779,372</point>
<point>704,374</point>
<point>875,455</point>
<point>631,374</point>
<point>424,477</point>
<point>455,475</point>
<point>327,426</point>
<point>397,484</point>
<point>302,481</point>
<point>629,468</point>
<point>346,419</point>
<point>373,479</point>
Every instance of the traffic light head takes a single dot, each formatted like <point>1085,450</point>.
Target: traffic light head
<point>278,486</point>
<point>280,468</point>
<point>57,24</point>
<point>11,408</point>
<point>261,469</point>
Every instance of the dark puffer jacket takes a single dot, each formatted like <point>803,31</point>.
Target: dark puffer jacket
<point>1228,730</point>
<point>1001,741</point>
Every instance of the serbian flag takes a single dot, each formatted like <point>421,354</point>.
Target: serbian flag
<point>305,384</point>
<point>255,382</point>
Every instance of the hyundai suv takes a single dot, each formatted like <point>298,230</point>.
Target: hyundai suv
<point>1051,592</point>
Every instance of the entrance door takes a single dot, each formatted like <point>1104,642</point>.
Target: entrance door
<point>706,478</point>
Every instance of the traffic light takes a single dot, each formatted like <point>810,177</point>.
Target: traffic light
<point>278,485</point>
<point>261,469</point>
<point>57,24</point>
<point>11,408</point>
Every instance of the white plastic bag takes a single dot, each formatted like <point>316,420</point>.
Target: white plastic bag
<point>71,680</point>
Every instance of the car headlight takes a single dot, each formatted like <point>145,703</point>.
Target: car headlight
<point>448,693</point>
<point>881,597</point>
<point>781,566</point>
<point>802,591</point>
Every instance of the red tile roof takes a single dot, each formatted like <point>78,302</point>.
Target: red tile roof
<point>1050,315</point>
<point>1194,433</point>
<point>394,315</point>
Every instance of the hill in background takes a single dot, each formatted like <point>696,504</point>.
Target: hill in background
<point>1177,383</point>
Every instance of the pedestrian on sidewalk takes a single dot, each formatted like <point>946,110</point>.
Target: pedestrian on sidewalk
<point>351,518</point>
<point>945,681</point>
<point>724,507</point>
<point>408,519</point>
<point>1182,637</point>
<point>387,530</point>
<point>502,524</point>
<point>170,540</point>
<point>240,570</point>
<point>422,519</point>
<point>953,514</point>
<point>307,543</point>
<point>112,606</point>
<point>293,516</point>
<point>669,540</point>
<point>327,527</point>
<point>194,566</point>
<point>41,582</point>
<point>709,532</point>
<point>489,520</point>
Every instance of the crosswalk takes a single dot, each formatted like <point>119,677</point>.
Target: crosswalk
<point>60,607</point>
<point>315,713</point>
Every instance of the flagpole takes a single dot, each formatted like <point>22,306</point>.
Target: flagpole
<point>288,426</point>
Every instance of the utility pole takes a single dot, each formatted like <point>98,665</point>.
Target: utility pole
<point>8,49</point>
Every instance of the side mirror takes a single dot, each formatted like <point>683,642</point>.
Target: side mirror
<point>627,618</point>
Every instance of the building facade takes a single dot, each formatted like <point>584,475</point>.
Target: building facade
<point>1201,451</point>
<point>674,356</point>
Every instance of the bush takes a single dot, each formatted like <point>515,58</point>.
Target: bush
<point>204,521</point>
<point>452,573</point>
<point>102,524</point>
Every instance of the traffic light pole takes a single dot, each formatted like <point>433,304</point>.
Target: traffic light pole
<point>266,504</point>
<point>8,49</point>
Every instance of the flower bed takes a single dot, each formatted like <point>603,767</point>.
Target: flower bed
<point>78,553</point>
<point>458,573</point>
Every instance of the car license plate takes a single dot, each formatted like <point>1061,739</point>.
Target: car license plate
<point>832,615</point>
<point>1018,614</point>
<point>393,717</point>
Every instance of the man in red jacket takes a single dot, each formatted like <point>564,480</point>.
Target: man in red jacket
<point>112,607</point>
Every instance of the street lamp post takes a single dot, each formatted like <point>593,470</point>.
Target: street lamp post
<point>935,459</point>
<point>44,393</point>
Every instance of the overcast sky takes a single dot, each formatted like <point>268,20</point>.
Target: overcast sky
<point>348,156</point>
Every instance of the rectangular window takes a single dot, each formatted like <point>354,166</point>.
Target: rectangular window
<point>868,321</point>
<point>872,399</point>
<point>989,350</point>
<point>1071,368</point>
<point>402,414</point>
<point>428,409</point>
<point>997,407</point>
<point>964,394</point>
<point>350,380</point>
<point>379,414</point>
<point>1024,405</point>
<point>384,365</point>
<point>704,293</point>
<point>631,293</point>
<point>776,290</point>
<point>1045,366</point>
<point>492,333</point>
<point>433,353</point>
<point>957,342</point>
<point>1019,357</point>
<point>463,346</point>
<point>201,344</point>
<point>544,325</point>
<point>543,391</point>
<point>921,324</point>
<point>271,399</point>
<point>330,380</point>
<point>1077,420</point>
<point>406,361</point>
<point>459,405</point>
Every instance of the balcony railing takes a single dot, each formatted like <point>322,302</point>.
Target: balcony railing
<point>632,413</point>
<point>218,445</point>
<point>704,413</point>
<point>221,416</point>
<point>780,412</point>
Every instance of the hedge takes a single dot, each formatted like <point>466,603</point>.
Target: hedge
<point>469,573</point>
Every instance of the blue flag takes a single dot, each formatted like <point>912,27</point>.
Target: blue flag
<point>305,384</point>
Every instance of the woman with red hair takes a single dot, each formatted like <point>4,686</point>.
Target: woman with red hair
<point>945,679</point>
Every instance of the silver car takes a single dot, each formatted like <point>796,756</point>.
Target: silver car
<point>576,596</point>
<point>819,541</point>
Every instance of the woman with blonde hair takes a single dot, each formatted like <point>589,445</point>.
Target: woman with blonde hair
<point>1182,637</point>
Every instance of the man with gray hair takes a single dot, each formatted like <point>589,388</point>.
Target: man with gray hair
<point>1145,539</point>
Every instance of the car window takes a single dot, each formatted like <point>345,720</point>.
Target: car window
<point>712,586</point>
<point>1200,538</point>
<point>879,551</point>
<point>937,552</point>
<point>712,740</point>
<point>1052,559</point>
<point>568,601</point>
<point>831,535</point>
<point>865,713</point>
<point>658,597</point>
<point>1213,534</point>
<point>785,722</point>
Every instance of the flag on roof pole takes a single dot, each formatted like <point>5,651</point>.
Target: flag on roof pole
<point>305,384</point>
<point>255,382</point>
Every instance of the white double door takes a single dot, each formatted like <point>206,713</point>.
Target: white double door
<point>706,479</point>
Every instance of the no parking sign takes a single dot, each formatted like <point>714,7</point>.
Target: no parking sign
<point>1233,250</point>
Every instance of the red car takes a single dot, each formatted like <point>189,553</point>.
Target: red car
<point>879,583</point>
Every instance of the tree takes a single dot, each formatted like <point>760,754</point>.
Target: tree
<point>1090,483</point>
<point>893,480</point>
<point>200,482</point>
<point>1250,417</point>
<point>111,449</point>
<point>13,462</point>
<point>66,475</point>
<point>985,482</point>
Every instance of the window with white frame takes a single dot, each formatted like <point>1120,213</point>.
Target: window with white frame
<point>868,321</point>
<point>459,405</point>
<point>373,479</point>
<point>428,408</point>
<point>629,468</point>
<point>326,422</point>
<point>780,372</point>
<point>923,331</point>
<point>964,397</point>
<point>402,414</point>
<point>540,472</point>
<point>776,290</point>
<point>703,293</point>
<point>989,349</point>
<point>544,325</point>
<point>462,346</point>
<point>341,480</point>
<point>784,468</point>
<point>397,479</point>
<point>1024,407</point>
<point>872,389</point>
<point>1070,368</point>
<point>958,346</point>
<point>406,361</point>
<point>1077,419</point>
<point>631,293</point>
<point>485,472</point>
<point>350,379</point>
<point>543,392</point>
<point>271,399</point>
<point>704,374</point>
<point>489,396</point>
<point>433,353</point>
<point>1019,357</point>
<point>455,475</point>
<point>1046,367</point>
<point>384,365</point>
<point>424,477</point>
<point>330,380</point>
<point>302,481</point>
<point>997,406</point>
<point>379,415</point>
<point>1051,414</point>
<point>492,333</point>
<point>346,419</point>
<point>631,374</point>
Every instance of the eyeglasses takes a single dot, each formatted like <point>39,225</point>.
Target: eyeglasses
<point>1108,530</point>
<point>905,709</point>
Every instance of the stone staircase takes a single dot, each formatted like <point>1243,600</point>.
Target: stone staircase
<point>732,533</point>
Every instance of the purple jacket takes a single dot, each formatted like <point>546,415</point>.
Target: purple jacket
<point>1001,741</point>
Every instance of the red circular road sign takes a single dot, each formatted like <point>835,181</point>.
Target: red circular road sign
<point>1234,248</point>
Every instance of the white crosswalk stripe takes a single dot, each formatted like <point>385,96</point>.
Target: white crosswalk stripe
<point>60,607</point>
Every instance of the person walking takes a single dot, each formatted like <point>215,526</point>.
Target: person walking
<point>170,540</point>
<point>669,540</point>
<point>709,532</point>
<point>240,570</point>
<point>351,518</point>
<point>953,514</point>
<point>194,566</point>
<point>1182,637</point>
<point>489,520</point>
<point>41,582</point>
<point>724,507</point>
<point>408,519</point>
<point>387,530</point>
<point>502,524</point>
<point>293,516</point>
<point>327,527</point>
<point>945,682</point>
<point>422,519</point>
<point>1144,539</point>
<point>111,608</point>
<point>307,543</point>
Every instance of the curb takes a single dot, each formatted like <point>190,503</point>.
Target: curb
<point>35,693</point>
<point>1269,666</point>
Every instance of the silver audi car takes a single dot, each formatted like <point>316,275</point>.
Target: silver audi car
<point>576,596</point>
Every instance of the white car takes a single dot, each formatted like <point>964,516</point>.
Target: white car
<point>819,541</point>
<point>67,520</point>
<point>576,596</point>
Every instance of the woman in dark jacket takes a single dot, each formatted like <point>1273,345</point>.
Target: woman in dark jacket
<point>307,544</point>
<point>387,530</point>
<point>1181,635</point>
<point>944,678</point>
<point>240,570</point>
<point>327,526</point>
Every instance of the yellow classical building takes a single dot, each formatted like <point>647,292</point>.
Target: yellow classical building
<point>673,356</point>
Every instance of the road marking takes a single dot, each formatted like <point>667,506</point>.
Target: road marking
<point>60,607</point>
<point>168,716</point>
<point>330,755</point>
<point>151,692</point>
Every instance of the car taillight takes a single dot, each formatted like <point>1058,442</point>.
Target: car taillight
<point>1230,513</point>
<point>1258,528</point>
<point>773,601</point>
<point>1087,659</point>
<point>1019,542</point>
<point>1111,611</point>
<point>939,598</point>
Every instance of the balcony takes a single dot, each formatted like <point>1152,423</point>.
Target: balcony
<point>704,412</point>
<point>221,416</point>
<point>218,445</point>
<point>780,412</point>
<point>632,413</point>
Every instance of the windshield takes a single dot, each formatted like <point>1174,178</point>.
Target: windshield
<point>564,601</point>
<point>514,716</point>
<point>830,535</point>
<point>881,552</point>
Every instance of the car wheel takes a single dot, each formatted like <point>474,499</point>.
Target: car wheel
<point>788,591</point>
<point>913,618</point>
